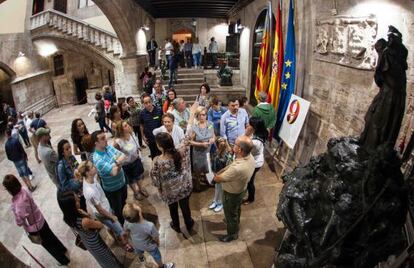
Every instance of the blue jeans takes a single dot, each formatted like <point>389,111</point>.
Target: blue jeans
<point>218,194</point>
<point>22,168</point>
<point>197,59</point>
<point>156,254</point>
<point>114,226</point>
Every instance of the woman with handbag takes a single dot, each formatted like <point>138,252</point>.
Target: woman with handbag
<point>28,215</point>
<point>126,142</point>
<point>87,229</point>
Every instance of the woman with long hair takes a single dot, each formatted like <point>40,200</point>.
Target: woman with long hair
<point>28,215</point>
<point>66,166</point>
<point>78,131</point>
<point>204,95</point>
<point>257,131</point>
<point>202,137</point>
<point>169,127</point>
<point>126,142</point>
<point>171,174</point>
<point>168,103</point>
<point>114,116</point>
<point>97,201</point>
<point>123,107</point>
<point>87,229</point>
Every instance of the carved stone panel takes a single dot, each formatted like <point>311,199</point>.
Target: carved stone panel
<point>347,41</point>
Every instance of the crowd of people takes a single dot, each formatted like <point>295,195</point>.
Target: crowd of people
<point>190,146</point>
<point>175,54</point>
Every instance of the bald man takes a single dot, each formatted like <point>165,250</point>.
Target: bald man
<point>234,179</point>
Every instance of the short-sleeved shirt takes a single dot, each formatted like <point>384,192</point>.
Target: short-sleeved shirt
<point>151,121</point>
<point>142,235</point>
<point>177,134</point>
<point>104,161</point>
<point>237,175</point>
<point>233,126</point>
<point>94,195</point>
<point>49,159</point>
<point>37,123</point>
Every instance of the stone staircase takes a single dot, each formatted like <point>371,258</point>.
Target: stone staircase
<point>65,26</point>
<point>189,82</point>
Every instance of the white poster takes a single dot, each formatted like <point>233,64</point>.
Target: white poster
<point>294,118</point>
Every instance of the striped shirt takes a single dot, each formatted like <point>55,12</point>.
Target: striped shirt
<point>104,161</point>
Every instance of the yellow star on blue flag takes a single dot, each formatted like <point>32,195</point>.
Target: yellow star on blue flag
<point>288,73</point>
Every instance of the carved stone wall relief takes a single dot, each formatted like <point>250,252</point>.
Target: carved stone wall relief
<point>347,41</point>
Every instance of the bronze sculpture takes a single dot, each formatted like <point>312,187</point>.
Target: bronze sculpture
<point>385,114</point>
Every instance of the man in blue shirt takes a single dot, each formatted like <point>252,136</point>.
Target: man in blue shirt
<point>16,154</point>
<point>233,122</point>
<point>150,119</point>
<point>108,163</point>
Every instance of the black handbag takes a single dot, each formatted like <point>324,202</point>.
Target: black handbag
<point>79,243</point>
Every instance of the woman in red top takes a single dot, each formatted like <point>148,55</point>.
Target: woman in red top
<point>28,215</point>
<point>168,103</point>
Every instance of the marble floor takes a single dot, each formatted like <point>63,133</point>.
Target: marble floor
<point>260,230</point>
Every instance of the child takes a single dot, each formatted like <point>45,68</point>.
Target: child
<point>97,201</point>
<point>220,159</point>
<point>144,235</point>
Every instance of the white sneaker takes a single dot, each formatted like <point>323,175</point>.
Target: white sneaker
<point>169,265</point>
<point>213,205</point>
<point>218,208</point>
<point>31,177</point>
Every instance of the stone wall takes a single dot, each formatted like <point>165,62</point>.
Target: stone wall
<point>340,90</point>
<point>30,92</point>
<point>78,65</point>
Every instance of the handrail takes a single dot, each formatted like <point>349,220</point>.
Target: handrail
<point>52,11</point>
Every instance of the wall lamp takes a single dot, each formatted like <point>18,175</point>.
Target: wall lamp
<point>145,27</point>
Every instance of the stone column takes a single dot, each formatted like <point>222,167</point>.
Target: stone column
<point>127,75</point>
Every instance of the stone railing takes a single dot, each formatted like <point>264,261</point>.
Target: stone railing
<point>73,27</point>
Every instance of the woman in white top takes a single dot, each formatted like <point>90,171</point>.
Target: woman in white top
<point>257,131</point>
<point>97,201</point>
<point>126,142</point>
<point>169,127</point>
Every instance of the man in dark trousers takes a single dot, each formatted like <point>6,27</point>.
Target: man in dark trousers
<point>151,47</point>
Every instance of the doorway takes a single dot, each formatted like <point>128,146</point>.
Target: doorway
<point>6,96</point>
<point>257,41</point>
<point>182,34</point>
<point>60,5</point>
<point>81,85</point>
<point>38,6</point>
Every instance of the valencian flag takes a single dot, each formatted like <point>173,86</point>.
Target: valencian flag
<point>263,66</point>
<point>274,87</point>
<point>287,86</point>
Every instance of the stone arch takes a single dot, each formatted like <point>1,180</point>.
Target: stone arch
<point>121,14</point>
<point>73,45</point>
<point>9,71</point>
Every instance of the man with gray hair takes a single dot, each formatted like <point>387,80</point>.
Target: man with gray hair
<point>234,179</point>
<point>265,111</point>
<point>181,113</point>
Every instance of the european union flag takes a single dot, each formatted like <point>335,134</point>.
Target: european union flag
<point>287,86</point>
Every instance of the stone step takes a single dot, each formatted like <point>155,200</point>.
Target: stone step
<point>185,71</point>
<point>187,86</point>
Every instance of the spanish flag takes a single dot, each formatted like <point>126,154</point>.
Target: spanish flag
<point>277,64</point>
<point>263,67</point>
